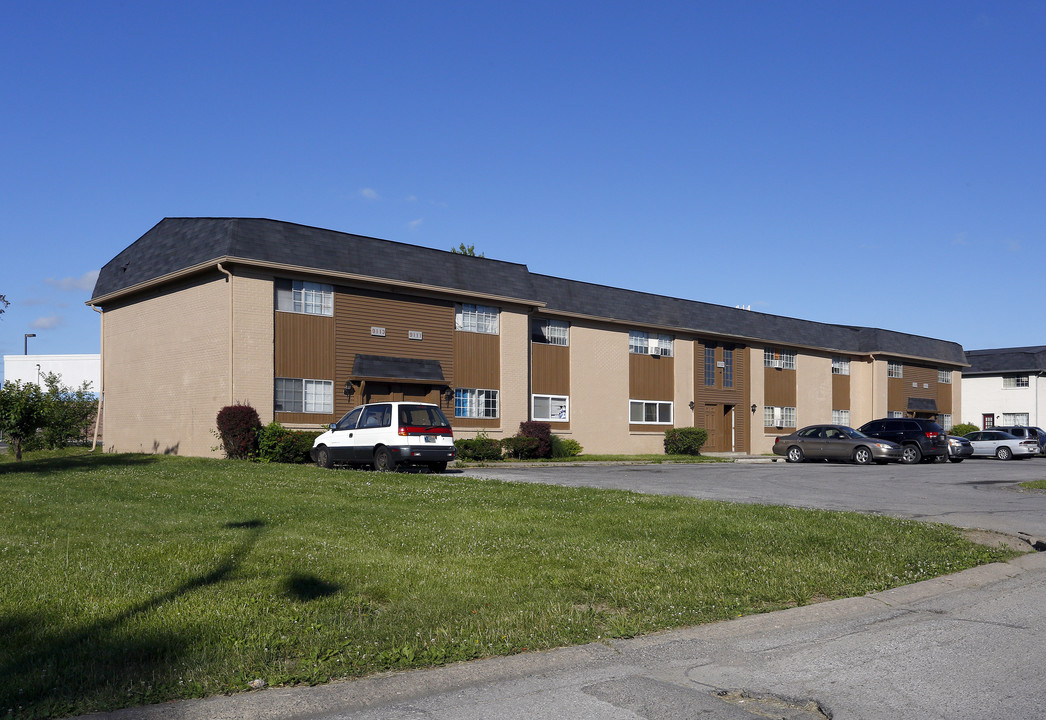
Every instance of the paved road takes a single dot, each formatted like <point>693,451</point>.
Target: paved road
<point>974,494</point>
<point>964,647</point>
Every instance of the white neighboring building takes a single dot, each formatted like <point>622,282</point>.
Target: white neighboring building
<point>74,369</point>
<point>1006,386</point>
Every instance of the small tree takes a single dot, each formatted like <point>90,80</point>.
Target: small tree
<point>68,414</point>
<point>540,431</point>
<point>464,249</point>
<point>963,429</point>
<point>238,428</point>
<point>21,413</point>
<point>685,440</point>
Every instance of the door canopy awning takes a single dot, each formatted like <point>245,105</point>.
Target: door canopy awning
<point>923,405</point>
<point>396,369</point>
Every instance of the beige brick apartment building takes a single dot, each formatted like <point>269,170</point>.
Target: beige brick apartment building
<point>305,323</point>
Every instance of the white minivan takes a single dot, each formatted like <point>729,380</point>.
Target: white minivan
<point>386,435</point>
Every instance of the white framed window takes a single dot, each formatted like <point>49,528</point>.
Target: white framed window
<point>945,421</point>
<point>841,417</point>
<point>304,297</point>
<point>840,366</point>
<point>728,367</point>
<point>944,377</point>
<point>476,318</point>
<point>775,358</point>
<point>470,403</point>
<point>1021,419</point>
<point>1015,381</point>
<point>894,370</point>
<point>778,416</point>
<point>649,412</point>
<point>551,408</point>
<point>638,342</point>
<point>302,395</point>
<point>895,414</point>
<point>666,345</point>
<point>550,332</point>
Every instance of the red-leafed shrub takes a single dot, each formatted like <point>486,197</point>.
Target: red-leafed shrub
<point>540,431</point>
<point>238,428</point>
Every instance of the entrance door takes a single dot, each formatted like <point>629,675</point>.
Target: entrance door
<point>987,421</point>
<point>719,423</point>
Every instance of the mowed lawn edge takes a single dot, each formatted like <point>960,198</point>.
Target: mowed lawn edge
<point>134,579</point>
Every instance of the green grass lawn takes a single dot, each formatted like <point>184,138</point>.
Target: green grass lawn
<point>1034,484</point>
<point>132,579</point>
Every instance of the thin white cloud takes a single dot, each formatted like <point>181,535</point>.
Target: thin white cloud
<point>84,282</point>
<point>370,194</point>
<point>48,322</point>
<point>413,224</point>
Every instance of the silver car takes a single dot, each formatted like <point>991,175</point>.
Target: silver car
<point>836,442</point>
<point>1001,445</point>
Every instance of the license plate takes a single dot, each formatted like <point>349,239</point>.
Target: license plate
<point>430,438</point>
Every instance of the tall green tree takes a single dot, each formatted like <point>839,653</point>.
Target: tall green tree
<point>68,414</point>
<point>464,249</point>
<point>21,413</point>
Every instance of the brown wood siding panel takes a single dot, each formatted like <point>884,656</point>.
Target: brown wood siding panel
<point>320,420</point>
<point>896,400</point>
<point>944,399</point>
<point>840,392</point>
<point>477,361</point>
<point>550,369</point>
<point>920,376</point>
<point>650,377</point>
<point>779,387</point>
<point>357,310</point>
<point>303,346</point>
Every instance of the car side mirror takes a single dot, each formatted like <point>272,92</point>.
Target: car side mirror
<point>333,426</point>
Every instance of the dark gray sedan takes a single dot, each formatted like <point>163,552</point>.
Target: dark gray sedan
<point>836,442</point>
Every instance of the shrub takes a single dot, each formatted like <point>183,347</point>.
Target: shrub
<point>481,448</point>
<point>520,447</point>
<point>685,440</point>
<point>238,427</point>
<point>540,431</point>
<point>279,444</point>
<point>963,429</point>
<point>565,447</point>
<point>21,415</point>
<point>68,414</point>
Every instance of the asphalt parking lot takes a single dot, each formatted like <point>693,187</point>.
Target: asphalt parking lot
<point>982,494</point>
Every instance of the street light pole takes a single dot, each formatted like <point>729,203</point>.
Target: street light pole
<point>27,336</point>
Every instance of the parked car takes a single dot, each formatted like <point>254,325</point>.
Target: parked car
<point>959,448</point>
<point>921,440</point>
<point>1026,432</point>
<point>1001,445</point>
<point>386,435</point>
<point>835,442</point>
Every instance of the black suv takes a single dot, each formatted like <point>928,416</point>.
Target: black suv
<point>920,440</point>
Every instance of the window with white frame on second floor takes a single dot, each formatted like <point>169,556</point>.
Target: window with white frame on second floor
<point>894,370</point>
<point>728,367</point>
<point>778,416</point>
<point>551,408</point>
<point>944,377</point>
<point>476,318</point>
<point>641,342</point>
<point>776,358</point>
<point>840,366</point>
<point>549,332</point>
<point>304,297</point>
<point>1015,381</point>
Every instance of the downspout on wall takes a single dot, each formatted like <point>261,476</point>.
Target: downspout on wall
<point>232,389</point>
<point>101,372</point>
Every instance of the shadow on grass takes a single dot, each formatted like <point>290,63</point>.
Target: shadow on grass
<point>48,671</point>
<point>73,463</point>
<point>304,587</point>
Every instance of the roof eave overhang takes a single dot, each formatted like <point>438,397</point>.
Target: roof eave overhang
<point>304,270</point>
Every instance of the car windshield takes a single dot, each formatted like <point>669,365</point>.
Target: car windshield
<point>850,432</point>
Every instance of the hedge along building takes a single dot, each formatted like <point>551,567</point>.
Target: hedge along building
<point>304,323</point>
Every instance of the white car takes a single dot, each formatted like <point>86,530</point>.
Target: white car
<point>386,435</point>
<point>1001,445</point>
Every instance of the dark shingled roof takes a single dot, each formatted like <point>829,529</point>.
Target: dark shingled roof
<point>1006,360</point>
<point>177,244</point>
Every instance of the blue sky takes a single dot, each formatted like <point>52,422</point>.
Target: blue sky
<point>866,163</point>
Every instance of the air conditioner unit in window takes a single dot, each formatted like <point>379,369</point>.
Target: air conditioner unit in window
<point>776,364</point>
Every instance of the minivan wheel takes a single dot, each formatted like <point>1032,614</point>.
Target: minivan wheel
<point>323,457</point>
<point>862,456</point>
<point>1004,453</point>
<point>383,460</point>
<point>911,454</point>
<point>795,454</point>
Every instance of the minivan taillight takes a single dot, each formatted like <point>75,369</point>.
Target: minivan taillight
<point>405,430</point>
